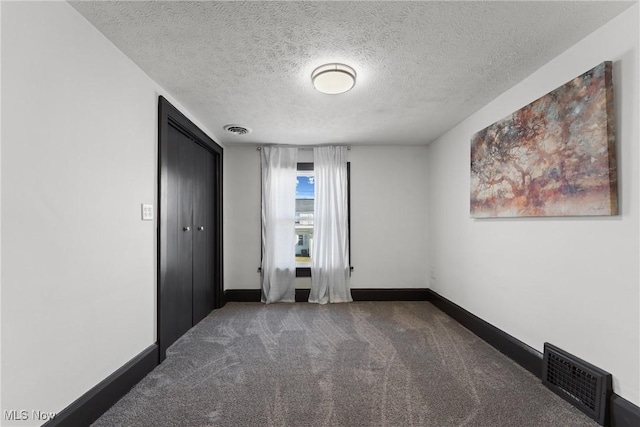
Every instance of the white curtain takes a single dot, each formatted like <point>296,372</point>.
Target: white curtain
<point>279,168</point>
<point>330,251</point>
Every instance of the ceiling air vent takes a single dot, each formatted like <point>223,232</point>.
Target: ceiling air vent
<point>237,129</point>
<point>580,383</point>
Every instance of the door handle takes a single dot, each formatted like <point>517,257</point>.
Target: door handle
<point>186,228</point>
<point>201,228</point>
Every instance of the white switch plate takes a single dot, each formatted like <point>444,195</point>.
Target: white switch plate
<point>147,212</point>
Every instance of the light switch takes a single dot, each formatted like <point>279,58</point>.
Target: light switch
<point>147,212</point>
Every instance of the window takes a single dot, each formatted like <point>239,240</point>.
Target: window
<point>305,190</point>
<point>304,218</point>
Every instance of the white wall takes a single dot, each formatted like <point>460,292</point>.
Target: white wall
<point>79,156</point>
<point>241,217</point>
<point>570,281</point>
<point>388,217</point>
<point>1,407</point>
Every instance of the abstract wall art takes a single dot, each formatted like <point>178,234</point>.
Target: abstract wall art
<point>553,157</point>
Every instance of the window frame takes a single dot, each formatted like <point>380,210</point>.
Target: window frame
<point>308,166</point>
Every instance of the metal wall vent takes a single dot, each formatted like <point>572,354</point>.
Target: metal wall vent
<point>580,383</point>
<point>237,129</point>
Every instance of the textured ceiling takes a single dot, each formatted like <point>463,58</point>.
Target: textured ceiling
<point>422,66</point>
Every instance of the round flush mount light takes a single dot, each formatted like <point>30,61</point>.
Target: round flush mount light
<point>333,78</point>
<point>237,129</point>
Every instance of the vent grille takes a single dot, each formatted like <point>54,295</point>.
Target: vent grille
<point>585,386</point>
<point>237,129</point>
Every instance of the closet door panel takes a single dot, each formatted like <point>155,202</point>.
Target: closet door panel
<point>176,316</point>
<point>185,230</point>
<point>202,254</point>
<point>169,293</point>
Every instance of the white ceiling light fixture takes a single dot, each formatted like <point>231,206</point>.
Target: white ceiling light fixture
<point>333,79</point>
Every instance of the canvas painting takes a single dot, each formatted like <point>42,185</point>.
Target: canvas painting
<point>553,157</point>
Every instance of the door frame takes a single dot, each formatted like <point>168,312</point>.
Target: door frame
<point>168,115</point>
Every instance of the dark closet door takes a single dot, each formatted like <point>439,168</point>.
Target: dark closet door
<point>189,225</point>
<point>203,234</point>
<point>177,294</point>
<point>189,286</point>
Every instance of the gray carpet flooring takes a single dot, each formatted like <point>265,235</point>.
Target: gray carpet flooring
<point>357,364</point>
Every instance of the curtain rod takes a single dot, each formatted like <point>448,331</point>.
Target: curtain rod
<point>303,147</point>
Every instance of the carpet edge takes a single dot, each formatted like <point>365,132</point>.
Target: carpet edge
<point>95,402</point>
<point>358,294</point>
<point>623,413</point>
